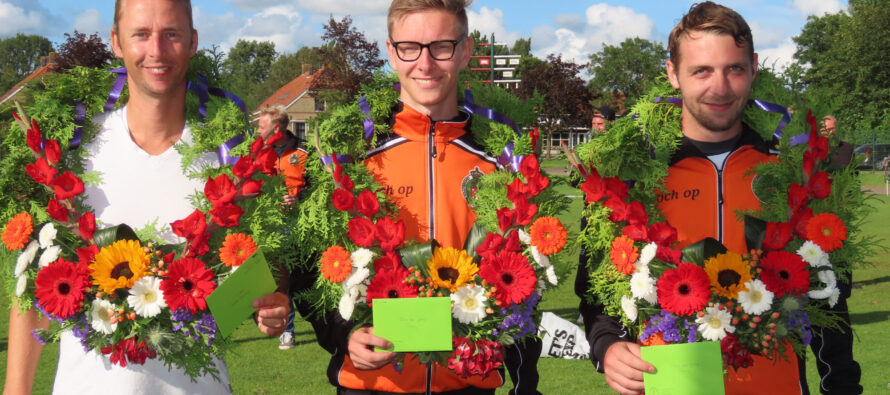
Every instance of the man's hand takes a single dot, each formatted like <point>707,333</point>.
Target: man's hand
<point>624,368</point>
<point>272,313</point>
<point>361,349</point>
<point>290,200</point>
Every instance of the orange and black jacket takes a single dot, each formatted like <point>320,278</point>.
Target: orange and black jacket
<point>292,165</point>
<point>428,169</point>
<point>700,201</point>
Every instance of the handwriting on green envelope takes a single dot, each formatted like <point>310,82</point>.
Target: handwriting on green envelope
<point>414,324</point>
<point>231,302</point>
<point>689,369</point>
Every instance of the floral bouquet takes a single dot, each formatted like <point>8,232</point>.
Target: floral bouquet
<point>129,299</point>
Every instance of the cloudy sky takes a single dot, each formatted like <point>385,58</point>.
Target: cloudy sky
<point>573,28</point>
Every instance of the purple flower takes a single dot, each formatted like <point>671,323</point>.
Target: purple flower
<point>81,330</point>
<point>663,322</point>
<point>38,337</point>
<point>520,316</point>
<point>800,320</point>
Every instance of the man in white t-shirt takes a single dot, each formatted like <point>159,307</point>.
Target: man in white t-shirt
<point>156,39</point>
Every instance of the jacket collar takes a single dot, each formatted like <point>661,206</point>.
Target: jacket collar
<point>411,124</point>
<point>749,137</point>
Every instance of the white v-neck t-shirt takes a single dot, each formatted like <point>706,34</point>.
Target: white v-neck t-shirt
<point>137,189</point>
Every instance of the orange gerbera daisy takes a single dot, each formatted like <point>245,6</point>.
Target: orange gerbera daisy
<point>236,248</point>
<point>335,264</point>
<point>624,254</point>
<point>17,230</point>
<point>548,235</point>
<point>827,231</point>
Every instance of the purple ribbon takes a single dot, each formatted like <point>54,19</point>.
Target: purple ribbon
<point>222,152</point>
<point>116,90</point>
<point>327,160</point>
<point>80,116</point>
<point>368,122</point>
<point>201,89</point>
<point>507,158</point>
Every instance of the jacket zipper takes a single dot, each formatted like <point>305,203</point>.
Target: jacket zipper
<point>431,158</point>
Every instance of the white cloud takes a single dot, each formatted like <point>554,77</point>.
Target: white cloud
<point>817,7</point>
<point>336,7</point>
<point>216,28</point>
<point>282,25</point>
<point>765,35</point>
<point>489,21</point>
<point>569,21</point>
<point>21,16</point>
<point>778,57</point>
<point>90,21</point>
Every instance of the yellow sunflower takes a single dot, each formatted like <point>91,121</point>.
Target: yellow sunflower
<point>119,265</point>
<point>451,268</point>
<point>728,274</point>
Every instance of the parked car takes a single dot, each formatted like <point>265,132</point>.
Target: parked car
<point>872,155</point>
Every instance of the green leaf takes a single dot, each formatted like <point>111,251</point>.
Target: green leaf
<point>706,248</point>
<point>416,256</point>
<point>755,231</point>
<point>475,238</point>
<point>107,236</point>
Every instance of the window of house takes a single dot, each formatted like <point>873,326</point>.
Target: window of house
<point>299,129</point>
<point>320,106</point>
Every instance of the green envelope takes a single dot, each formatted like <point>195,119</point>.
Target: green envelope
<point>414,324</point>
<point>688,369</point>
<point>232,301</point>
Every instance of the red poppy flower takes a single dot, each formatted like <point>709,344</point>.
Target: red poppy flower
<point>636,214</point>
<point>529,167</point>
<point>799,222</point>
<point>256,146</point>
<point>516,189</point>
<point>187,285</point>
<point>243,168</point>
<point>490,246</point>
<point>505,218</point>
<point>684,290</point>
<point>190,227</point>
<point>809,162</point>
<point>60,288</point>
<point>52,150</point>
<point>347,183</point>
<point>389,261</point>
<point>251,188</point>
<point>777,235</point>
<point>85,257</point>
<point>819,186</point>
<point>367,203</point>
<point>41,171</point>
<point>618,207</point>
<point>662,234</point>
<point>390,284</point>
<point>57,211</point>
<point>361,231</point>
<point>636,232</point>
<point>511,243</point>
<point>67,185</point>
<point>342,199</point>
<point>390,234</point>
<point>524,210</point>
<point>623,254</point>
<point>616,188</point>
<point>220,190</point>
<point>797,197</point>
<point>668,254</point>
<point>87,225</point>
<point>226,215</point>
<point>784,273</point>
<point>593,187</point>
<point>33,137</point>
<point>537,184</point>
<point>511,276</point>
<point>267,161</point>
<point>827,231</point>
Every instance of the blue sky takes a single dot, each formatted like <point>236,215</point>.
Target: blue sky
<point>572,28</point>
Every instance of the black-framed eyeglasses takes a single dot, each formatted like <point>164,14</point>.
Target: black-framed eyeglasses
<point>409,51</point>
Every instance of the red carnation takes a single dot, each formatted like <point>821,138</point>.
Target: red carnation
<point>390,284</point>
<point>60,288</point>
<point>190,227</point>
<point>668,254</point>
<point>777,236</point>
<point>636,232</point>
<point>187,285</point>
<point>636,214</point>
<point>516,189</point>
<point>618,207</point>
<point>361,231</point>
<point>593,187</point>
<point>799,222</point>
<point>57,211</point>
<point>244,167</point>
<point>52,150</point>
<point>684,290</point>
<point>342,199</point>
<point>67,186</point>
<point>797,197</point>
<point>524,210</point>
<point>251,188</point>
<point>390,234</point>
<point>819,186</point>
<point>41,171</point>
<point>256,146</point>
<point>785,273</point>
<point>87,225</point>
<point>33,137</point>
<point>529,167</point>
<point>220,190</point>
<point>511,276</point>
<point>389,261</point>
<point>267,161</point>
<point>505,218</point>
<point>512,242</point>
<point>367,203</point>
<point>616,188</point>
<point>662,234</point>
<point>490,246</point>
<point>226,215</point>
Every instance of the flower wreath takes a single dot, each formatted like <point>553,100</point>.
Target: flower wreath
<point>124,293</point>
<point>494,282</point>
<point>756,303</point>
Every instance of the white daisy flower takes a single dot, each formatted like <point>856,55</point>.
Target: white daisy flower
<point>643,287</point>
<point>647,254</point>
<point>715,324</point>
<point>347,303</point>
<point>146,297</point>
<point>540,258</point>
<point>357,276</point>
<point>20,285</point>
<point>361,257</point>
<point>100,316</point>
<point>551,275</point>
<point>524,237</point>
<point>813,254</point>
<point>49,256</point>
<point>47,235</point>
<point>629,307</point>
<point>757,298</point>
<point>25,258</point>
<point>469,304</point>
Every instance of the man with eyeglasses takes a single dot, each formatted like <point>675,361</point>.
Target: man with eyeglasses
<point>422,164</point>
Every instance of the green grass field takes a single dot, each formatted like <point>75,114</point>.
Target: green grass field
<point>257,366</point>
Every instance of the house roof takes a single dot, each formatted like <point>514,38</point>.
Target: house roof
<point>48,68</point>
<point>290,92</point>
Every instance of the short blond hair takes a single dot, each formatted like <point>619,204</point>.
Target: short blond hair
<point>400,8</point>
<point>277,116</point>
<point>712,18</point>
